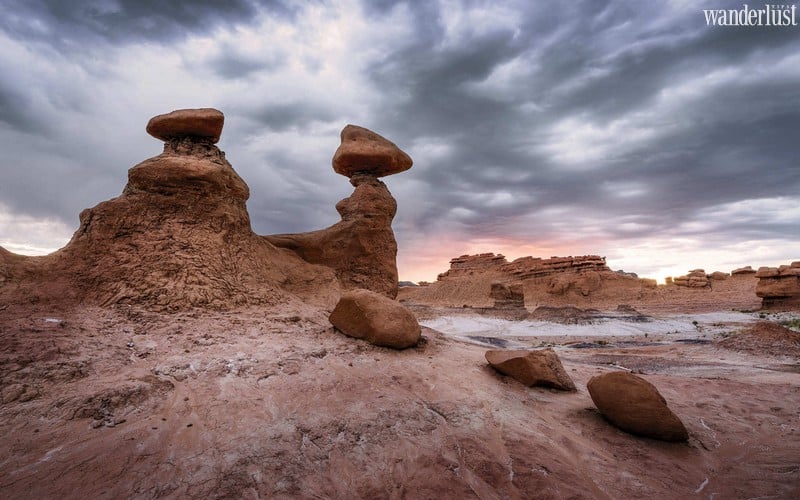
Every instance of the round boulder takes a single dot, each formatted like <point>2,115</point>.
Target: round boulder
<point>541,368</point>
<point>202,122</point>
<point>364,151</point>
<point>634,405</point>
<point>379,320</point>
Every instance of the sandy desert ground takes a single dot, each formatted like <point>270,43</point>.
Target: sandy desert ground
<point>122,403</point>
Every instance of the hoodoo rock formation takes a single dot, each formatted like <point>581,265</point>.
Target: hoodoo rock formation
<point>178,236</point>
<point>779,287</point>
<point>361,248</point>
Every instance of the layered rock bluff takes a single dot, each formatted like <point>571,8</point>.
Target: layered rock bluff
<point>361,248</point>
<point>489,281</point>
<point>480,280</point>
<point>779,287</point>
<point>178,236</point>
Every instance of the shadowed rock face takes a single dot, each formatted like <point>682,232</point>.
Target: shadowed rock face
<point>178,236</point>
<point>361,248</point>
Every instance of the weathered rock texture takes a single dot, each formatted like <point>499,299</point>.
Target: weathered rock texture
<point>361,248</point>
<point>507,296</point>
<point>177,237</point>
<point>379,320</point>
<point>634,405</point>
<point>582,281</point>
<point>779,287</point>
<point>532,368</point>
<point>696,278</point>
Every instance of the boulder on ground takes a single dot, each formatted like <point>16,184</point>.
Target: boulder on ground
<point>532,368</point>
<point>634,405</point>
<point>379,320</point>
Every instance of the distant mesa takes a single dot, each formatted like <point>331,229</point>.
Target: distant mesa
<point>201,123</point>
<point>364,152</point>
<point>489,281</point>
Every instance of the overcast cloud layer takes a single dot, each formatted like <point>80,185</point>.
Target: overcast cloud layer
<point>628,129</point>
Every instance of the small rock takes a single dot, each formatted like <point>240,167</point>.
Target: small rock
<point>364,151</point>
<point>634,405</point>
<point>379,320</point>
<point>532,368</point>
<point>202,122</point>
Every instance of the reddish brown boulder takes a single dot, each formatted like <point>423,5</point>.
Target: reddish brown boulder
<point>634,405</point>
<point>203,123</point>
<point>532,368</point>
<point>367,315</point>
<point>364,152</point>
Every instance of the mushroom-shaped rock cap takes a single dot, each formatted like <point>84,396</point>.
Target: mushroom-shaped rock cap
<point>364,151</point>
<point>202,122</point>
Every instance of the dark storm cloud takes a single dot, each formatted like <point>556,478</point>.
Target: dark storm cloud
<point>69,25</point>
<point>599,62</point>
<point>617,120</point>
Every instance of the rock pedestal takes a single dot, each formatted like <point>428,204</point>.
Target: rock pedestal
<point>361,248</point>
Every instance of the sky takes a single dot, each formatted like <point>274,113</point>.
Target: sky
<point>627,129</point>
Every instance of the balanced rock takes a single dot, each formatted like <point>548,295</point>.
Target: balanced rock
<point>532,368</point>
<point>634,405</point>
<point>364,151</point>
<point>203,123</point>
<point>379,320</point>
<point>360,248</point>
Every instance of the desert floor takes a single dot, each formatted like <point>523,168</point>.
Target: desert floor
<point>122,403</point>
